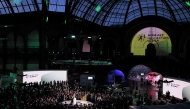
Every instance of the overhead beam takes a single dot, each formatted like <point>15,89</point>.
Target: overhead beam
<point>180,9</point>
<point>140,7</point>
<point>92,4</point>
<point>106,4</point>
<point>170,10</point>
<point>9,4</point>
<point>108,11</point>
<point>155,6</point>
<point>184,5</point>
<point>36,4</point>
<point>126,15</point>
<point>74,5</point>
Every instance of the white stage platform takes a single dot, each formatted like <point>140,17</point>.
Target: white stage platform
<point>169,106</point>
<point>78,102</point>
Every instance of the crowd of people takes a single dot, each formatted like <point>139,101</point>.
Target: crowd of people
<point>53,94</point>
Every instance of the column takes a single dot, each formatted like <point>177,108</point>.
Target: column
<point>42,36</point>
<point>4,56</point>
<point>15,52</point>
<point>24,56</point>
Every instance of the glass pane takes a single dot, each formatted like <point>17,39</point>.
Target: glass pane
<point>111,12</point>
<point>15,9</point>
<point>60,9</point>
<point>20,9</point>
<point>32,8</point>
<point>26,8</point>
<point>52,7</point>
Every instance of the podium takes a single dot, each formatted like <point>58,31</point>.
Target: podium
<point>83,98</point>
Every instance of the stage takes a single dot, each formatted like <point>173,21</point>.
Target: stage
<point>169,106</point>
<point>78,102</point>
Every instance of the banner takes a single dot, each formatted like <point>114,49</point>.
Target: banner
<point>177,88</point>
<point>46,76</point>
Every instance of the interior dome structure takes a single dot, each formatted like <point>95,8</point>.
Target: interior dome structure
<point>115,73</point>
<point>105,12</point>
<point>89,40</point>
<point>138,72</point>
<point>121,12</point>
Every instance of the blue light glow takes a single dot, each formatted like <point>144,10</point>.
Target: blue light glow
<point>113,73</point>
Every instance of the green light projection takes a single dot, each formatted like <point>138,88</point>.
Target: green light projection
<point>79,20</point>
<point>154,35</point>
<point>188,3</point>
<point>47,19</point>
<point>98,8</point>
<point>65,22</point>
<point>47,2</point>
<point>17,1</point>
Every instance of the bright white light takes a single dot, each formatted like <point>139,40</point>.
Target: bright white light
<point>47,76</point>
<point>73,36</point>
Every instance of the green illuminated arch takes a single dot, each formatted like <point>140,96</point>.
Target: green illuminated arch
<point>154,35</point>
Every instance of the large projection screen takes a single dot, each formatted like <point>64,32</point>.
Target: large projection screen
<point>178,88</point>
<point>154,35</point>
<point>46,76</point>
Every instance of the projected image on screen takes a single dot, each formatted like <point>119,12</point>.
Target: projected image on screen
<point>46,76</point>
<point>154,35</point>
<point>178,88</point>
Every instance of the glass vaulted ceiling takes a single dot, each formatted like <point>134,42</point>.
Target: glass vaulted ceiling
<point>21,6</point>
<point>112,12</point>
<point>119,12</point>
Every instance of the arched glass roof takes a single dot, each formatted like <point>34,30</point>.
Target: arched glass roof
<point>119,12</point>
<point>21,6</point>
<point>112,12</point>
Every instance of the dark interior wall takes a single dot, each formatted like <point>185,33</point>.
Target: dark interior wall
<point>25,23</point>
